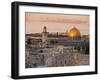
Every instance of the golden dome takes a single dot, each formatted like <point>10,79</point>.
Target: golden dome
<point>74,32</point>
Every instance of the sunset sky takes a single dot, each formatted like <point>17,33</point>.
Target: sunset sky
<point>35,22</point>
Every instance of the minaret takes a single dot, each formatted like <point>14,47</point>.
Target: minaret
<point>44,36</point>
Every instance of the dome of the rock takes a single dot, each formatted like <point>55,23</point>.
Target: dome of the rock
<point>74,32</point>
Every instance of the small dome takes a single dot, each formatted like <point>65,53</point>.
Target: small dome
<point>74,32</point>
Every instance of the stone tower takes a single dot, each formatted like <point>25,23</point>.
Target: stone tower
<point>44,36</point>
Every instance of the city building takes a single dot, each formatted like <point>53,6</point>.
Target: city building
<point>56,49</point>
